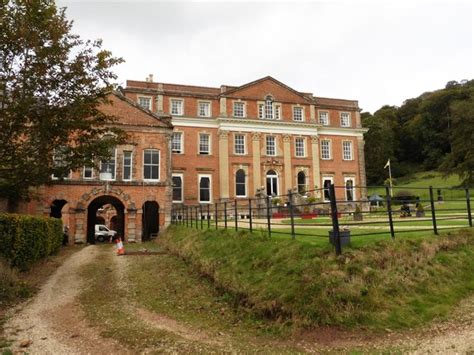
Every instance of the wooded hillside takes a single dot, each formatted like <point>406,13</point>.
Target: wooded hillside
<point>434,131</point>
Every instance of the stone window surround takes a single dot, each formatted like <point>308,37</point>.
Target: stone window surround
<point>199,187</point>
<point>171,99</point>
<point>303,113</point>
<point>150,105</point>
<point>351,149</point>
<point>329,148</point>
<point>181,175</point>
<point>328,117</point>
<point>199,102</point>
<point>244,108</point>
<point>159,164</point>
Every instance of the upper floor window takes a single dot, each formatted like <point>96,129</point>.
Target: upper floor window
<point>325,149</point>
<point>151,164</point>
<point>270,145</point>
<point>299,147</point>
<point>88,172</point>
<point>269,108</point>
<point>144,102</point>
<point>204,144</point>
<point>345,119</point>
<point>298,113</point>
<point>127,166</point>
<point>204,109</point>
<point>177,107</point>
<point>177,142</point>
<point>324,118</point>
<point>239,144</point>
<point>277,112</point>
<point>239,109</point>
<point>60,163</point>
<point>347,150</point>
<point>107,167</point>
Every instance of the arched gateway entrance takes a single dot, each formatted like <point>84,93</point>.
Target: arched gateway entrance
<point>93,218</point>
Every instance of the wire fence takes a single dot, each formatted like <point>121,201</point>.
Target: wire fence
<point>336,213</point>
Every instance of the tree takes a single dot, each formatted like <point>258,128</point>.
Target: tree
<point>461,158</point>
<point>52,84</point>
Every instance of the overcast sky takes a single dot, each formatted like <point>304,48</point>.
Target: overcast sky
<point>375,52</point>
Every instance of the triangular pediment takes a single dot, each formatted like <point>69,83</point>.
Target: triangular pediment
<point>130,113</point>
<point>259,89</point>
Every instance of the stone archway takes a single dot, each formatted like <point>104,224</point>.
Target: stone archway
<point>97,203</point>
<point>131,222</point>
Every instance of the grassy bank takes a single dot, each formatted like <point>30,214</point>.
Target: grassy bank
<point>387,284</point>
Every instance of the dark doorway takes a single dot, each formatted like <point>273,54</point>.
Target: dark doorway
<point>93,219</point>
<point>150,220</point>
<point>56,208</point>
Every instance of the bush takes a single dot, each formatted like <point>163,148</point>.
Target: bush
<point>11,287</point>
<point>27,239</point>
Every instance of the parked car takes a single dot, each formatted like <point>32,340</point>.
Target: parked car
<point>102,233</point>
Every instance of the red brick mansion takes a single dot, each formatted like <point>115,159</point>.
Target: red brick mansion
<point>199,145</point>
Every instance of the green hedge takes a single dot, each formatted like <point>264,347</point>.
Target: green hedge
<point>27,239</point>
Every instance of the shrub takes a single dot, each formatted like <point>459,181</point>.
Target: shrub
<point>27,239</point>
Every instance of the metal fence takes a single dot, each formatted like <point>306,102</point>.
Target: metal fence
<point>334,213</point>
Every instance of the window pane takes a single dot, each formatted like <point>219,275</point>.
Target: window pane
<point>151,164</point>
<point>177,188</point>
<point>204,189</point>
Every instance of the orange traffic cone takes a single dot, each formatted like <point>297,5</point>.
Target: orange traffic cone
<point>120,248</point>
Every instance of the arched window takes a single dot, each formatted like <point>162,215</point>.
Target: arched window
<point>349,189</point>
<point>269,107</point>
<point>272,183</point>
<point>240,188</point>
<point>301,182</point>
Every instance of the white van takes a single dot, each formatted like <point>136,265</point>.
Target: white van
<point>102,233</point>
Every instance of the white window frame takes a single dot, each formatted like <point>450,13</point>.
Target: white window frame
<point>199,188</point>
<point>84,172</point>
<point>330,178</point>
<point>115,168</point>
<point>301,109</point>
<point>327,122</point>
<point>329,149</point>
<point>209,105</point>
<point>181,134</point>
<point>277,179</point>
<point>243,144</point>
<point>244,113</point>
<point>150,104</point>
<point>341,114</point>
<point>180,107</point>
<point>131,165</point>
<point>245,184</point>
<point>180,175</point>
<point>277,111</point>
<point>159,164</point>
<point>274,146</point>
<point>301,139</point>
<point>208,143</point>
<point>351,150</point>
<point>350,178</point>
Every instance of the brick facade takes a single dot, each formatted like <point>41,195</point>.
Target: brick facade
<point>343,127</point>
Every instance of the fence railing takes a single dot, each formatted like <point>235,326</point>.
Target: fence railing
<point>337,213</point>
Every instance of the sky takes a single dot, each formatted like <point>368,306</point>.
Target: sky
<point>379,53</point>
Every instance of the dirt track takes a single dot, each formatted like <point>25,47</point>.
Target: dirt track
<point>52,322</point>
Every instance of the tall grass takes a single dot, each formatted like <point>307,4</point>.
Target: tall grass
<point>386,284</point>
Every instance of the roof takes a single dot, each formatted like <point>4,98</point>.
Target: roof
<point>224,90</point>
<point>130,113</point>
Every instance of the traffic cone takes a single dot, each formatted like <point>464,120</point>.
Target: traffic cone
<point>120,248</point>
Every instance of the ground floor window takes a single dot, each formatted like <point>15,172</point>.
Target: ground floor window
<point>272,183</point>
<point>177,187</point>
<point>204,188</point>
<point>327,182</point>
<point>349,186</point>
<point>301,182</point>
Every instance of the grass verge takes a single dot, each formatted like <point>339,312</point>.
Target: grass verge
<point>386,284</point>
